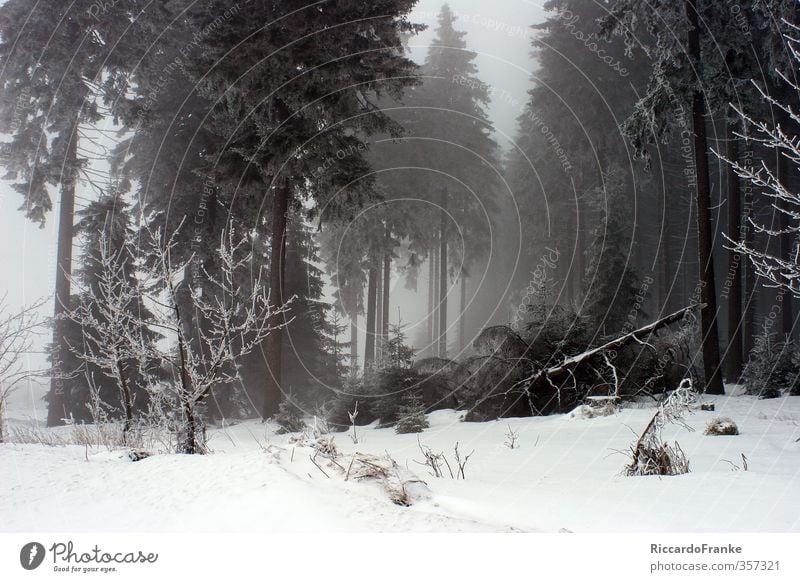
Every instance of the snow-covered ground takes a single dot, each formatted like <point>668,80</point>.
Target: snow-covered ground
<point>564,475</point>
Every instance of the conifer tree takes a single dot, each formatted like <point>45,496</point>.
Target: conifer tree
<point>610,280</point>
<point>293,86</point>
<point>56,59</point>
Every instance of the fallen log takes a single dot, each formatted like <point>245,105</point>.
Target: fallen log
<point>620,342</point>
<point>564,367</point>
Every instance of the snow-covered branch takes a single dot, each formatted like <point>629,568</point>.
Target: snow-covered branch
<point>17,332</point>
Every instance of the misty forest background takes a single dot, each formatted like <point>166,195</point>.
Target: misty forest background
<point>243,188</point>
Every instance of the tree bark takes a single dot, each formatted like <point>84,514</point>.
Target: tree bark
<point>387,280</point>
<point>353,340</point>
<point>57,399</point>
<point>431,277</point>
<point>274,341</point>
<point>735,314</point>
<point>785,224</point>
<point>705,239</point>
<point>750,281</point>
<point>436,304</point>
<point>443,279</point>
<point>462,336</point>
<point>431,285</point>
<point>372,296</point>
<point>379,315</point>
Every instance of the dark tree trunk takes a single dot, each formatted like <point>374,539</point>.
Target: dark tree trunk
<point>387,281</point>
<point>372,296</point>
<point>750,281</point>
<point>462,336</point>
<point>735,315</point>
<point>705,239</point>
<point>57,399</point>
<point>443,279</point>
<point>785,224</point>
<point>353,340</point>
<point>431,286</point>
<point>379,315</point>
<point>127,401</point>
<point>436,305</point>
<point>274,341</point>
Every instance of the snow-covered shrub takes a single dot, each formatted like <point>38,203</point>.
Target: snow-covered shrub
<point>650,455</point>
<point>721,425</point>
<point>411,416</point>
<point>402,486</point>
<point>772,366</point>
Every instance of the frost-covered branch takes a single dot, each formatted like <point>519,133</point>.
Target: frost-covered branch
<point>17,332</point>
<point>228,320</point>
<point>779,272</point>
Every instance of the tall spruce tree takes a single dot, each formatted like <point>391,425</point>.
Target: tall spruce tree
<point>454,159</point>
<point>292,87</point>
<point>58,59</point>
<point>611,282</point>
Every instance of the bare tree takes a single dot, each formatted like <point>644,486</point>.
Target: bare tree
<point>236,319</point>
<point>119,336</point>
<point>111,323</point>
<point>17,332</point>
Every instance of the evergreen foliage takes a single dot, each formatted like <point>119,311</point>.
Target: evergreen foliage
<point>411,416</point>
<point>772,366</point>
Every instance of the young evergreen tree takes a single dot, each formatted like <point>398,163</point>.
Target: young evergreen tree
<point>411,415</point>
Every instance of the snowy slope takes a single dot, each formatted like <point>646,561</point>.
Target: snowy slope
<point>566,474</point>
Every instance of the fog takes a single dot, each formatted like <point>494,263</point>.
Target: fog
<point>500,35</point>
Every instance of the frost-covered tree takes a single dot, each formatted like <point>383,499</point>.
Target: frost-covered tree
<point>411,415</point>
<point>110,315</point>
<point>236,321</point>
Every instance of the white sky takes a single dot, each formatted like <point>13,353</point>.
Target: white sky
<point>497,31</point>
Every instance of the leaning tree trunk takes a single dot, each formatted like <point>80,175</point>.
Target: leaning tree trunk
<point>387,279</point>
<point>57,400</point>
<point>443,279</point>
<point>274,341</point>
<point>735,317</point>
<point>372,296</point>
<point>705,238</point>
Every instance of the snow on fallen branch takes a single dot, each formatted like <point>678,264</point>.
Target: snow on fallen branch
<point>566,366</point>
<point>622,341</point>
